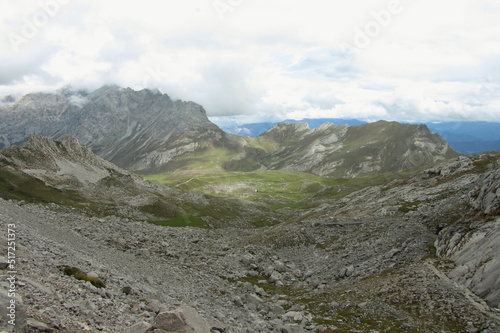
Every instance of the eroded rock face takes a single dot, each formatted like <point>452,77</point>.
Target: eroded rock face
<point>118,124</point>
<point>474,244</point>
<point>487,198</point>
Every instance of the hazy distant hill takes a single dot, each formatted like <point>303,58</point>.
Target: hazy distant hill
<point>346,151</point>
<point>467,137</point>
<point>256,129</point>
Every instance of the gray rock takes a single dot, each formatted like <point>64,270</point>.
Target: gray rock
<point>292,329</point>
<point>182,320</point>
<point>153,306</point>
<point>293,316</point>
<point>253,300</point>
<point>39,326</point>
<point>276,277</point>
<point>277,309</point>
<point>3,263</point>
<point>141,327</point>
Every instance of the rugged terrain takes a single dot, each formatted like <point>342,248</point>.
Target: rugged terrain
<point>350,151</point>
<point>148,132</point>
<point>65,172</point>
<point>466,137</point>
<point>137,130</point>
<point>417,254</point>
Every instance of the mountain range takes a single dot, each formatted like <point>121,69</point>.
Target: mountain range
<point>466,137</point>
<point>146,131</point>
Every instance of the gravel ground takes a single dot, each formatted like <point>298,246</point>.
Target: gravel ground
<point>345,274</point>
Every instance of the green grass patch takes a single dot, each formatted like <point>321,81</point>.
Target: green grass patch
<point>162,210</point>
<point>262,222</point>
<point>410,206</point>
<point>279,189</point>
<point>283,186</point>
<point>20,186</point>
<point>81,275</point>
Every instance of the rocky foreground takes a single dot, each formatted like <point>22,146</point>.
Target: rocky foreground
<point>355,276</point>
<point>420,254</point>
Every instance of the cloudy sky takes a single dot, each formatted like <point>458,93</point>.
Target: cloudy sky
<point>256,60</point>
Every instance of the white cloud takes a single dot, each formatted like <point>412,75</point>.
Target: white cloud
<point>407,60</point>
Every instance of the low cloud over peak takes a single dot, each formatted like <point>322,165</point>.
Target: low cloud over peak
<point>393,59</point>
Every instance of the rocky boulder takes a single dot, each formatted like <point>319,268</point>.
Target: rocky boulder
<point>184,319</point>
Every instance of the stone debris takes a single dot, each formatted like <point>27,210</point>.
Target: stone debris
<point>432,266</point>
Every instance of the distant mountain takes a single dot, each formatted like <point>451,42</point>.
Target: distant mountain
<point>347,151</point>
<point>467,137</point>
<point>256,129</point>
<point>250,130</point>
<point>473,147</point>
<point>315,122</point>
<point>469,130</point>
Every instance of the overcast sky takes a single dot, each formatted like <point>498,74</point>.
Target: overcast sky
<point>269,60</point>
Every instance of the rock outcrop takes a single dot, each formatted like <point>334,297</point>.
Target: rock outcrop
<point>458,201</point>
<point>474,243</point>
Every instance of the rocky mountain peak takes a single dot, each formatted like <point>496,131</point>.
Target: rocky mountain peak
<point>286,131</point>
<point>68,147</point>
<point>350,151</point>
<point>119,124</point>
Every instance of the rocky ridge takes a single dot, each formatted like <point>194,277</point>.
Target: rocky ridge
<point>350,151</point>
<point>458,200</point>
<point>136,130</point>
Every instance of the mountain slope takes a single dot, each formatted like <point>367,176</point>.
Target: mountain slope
<point>401,256</point>
<point>458,200</point>
<point>350,151</point>
<point>256,129</point>
<point>466,137</point>
<point>137,130</point>
<point>65,172</point>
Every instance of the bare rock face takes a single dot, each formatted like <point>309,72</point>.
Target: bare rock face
<point>488,195</point>
<point>120,125</point>
<point>474,244</point>
<point>474,247</point>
